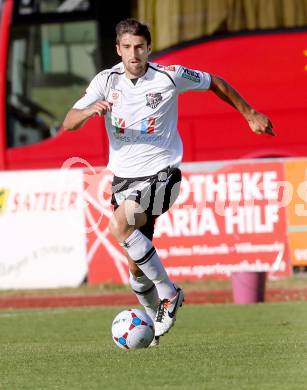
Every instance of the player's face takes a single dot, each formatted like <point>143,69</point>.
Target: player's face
<point>134,51</point>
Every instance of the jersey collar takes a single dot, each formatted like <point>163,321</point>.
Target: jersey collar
<point>140,79</point>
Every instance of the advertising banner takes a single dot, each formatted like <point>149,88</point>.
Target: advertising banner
<point>225,219</point>
<point>296,174</point>
<point>42,229</point>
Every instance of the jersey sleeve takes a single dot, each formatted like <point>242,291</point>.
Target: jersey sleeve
<point>189,79</point>
<point>95,91</point>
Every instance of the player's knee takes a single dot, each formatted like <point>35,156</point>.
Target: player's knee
<point>119,229</point>
<point>127,217</point>
<point>134,213</point>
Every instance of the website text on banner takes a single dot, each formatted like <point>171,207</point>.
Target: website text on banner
<point>229,219</point>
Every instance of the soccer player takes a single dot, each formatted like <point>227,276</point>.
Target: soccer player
<point>139,101</point>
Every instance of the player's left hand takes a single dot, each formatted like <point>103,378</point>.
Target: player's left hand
<point>260,124</point>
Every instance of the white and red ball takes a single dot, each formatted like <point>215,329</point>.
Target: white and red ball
<point>132,329</point>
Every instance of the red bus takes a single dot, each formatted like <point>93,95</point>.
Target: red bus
<point>50,50</point>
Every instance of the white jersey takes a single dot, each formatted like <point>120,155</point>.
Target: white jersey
<point>142,126</point>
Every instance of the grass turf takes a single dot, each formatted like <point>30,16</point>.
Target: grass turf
<point>217,347</point>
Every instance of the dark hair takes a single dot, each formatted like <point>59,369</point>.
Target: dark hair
<point>134,27</point>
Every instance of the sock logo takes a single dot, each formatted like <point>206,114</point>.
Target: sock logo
<point>125,244</point>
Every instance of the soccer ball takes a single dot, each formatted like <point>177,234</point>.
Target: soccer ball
<point>132,329</point>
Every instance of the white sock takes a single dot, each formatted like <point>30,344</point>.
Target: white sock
<point>146,293</point>
<point>144,254</point>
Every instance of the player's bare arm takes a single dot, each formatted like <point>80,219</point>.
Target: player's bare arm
<point>259,123</point>
<point>75,118</point>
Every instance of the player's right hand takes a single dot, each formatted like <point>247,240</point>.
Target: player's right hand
<point>100,107</point>
<point>259,123</point>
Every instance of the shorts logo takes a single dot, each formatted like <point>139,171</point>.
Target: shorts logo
<point>191,75</point>
<point>162,176</point>
<point>153,99</point>
<point>4,192</point>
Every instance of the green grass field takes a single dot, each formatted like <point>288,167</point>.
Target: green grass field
<point>216,347</point>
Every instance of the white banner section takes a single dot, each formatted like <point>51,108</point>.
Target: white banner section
<point>42,229</point>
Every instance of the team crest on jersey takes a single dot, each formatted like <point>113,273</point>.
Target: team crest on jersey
<point>153,99</point>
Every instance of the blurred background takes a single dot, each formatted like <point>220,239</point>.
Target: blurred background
<point>53,48</point>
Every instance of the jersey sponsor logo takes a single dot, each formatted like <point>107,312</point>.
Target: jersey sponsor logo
<point>148,125</point>
<point>119,124</point>
<point>153,99</point>
<point>151,125</point>
<point>170,68</point>
<point>142,138</point>
<point>191,75</point>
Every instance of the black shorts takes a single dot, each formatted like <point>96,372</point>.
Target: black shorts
<point>155,194</point>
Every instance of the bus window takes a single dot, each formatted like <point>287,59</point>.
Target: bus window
<point>50,65</point>
<point>27,7</point>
